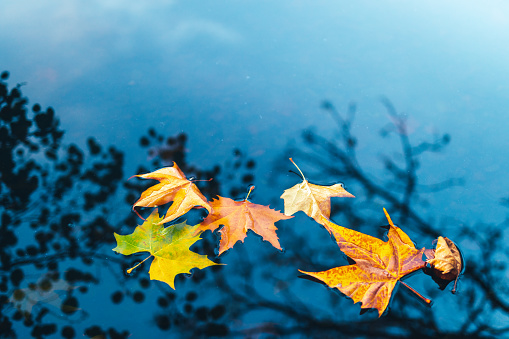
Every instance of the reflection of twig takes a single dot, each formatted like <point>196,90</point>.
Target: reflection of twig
<point>305,322</point>
<point>490,294</point>
<point>355,173</point>
<point>59,256</point>
<point>342,161</point>
<point>410,170</point>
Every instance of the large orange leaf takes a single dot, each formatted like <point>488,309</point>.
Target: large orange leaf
<point>314,200</point>
<point>175,187</point>
<point>378,267</point>
<point>237,217</point>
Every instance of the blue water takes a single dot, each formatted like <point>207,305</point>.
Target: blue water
<point>252,76</point>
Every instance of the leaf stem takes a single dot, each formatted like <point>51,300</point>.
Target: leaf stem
<point>455,285</point>
<point>138,214</point>
<point>302,174</point>
<point>426,300</point>
<point>195,180</point>
<point>132,268</point>
<point>388,217</point>
<point>248,193</point>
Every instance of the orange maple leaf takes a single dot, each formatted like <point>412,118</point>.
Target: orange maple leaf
<point>175,187</point>
<point>378,267</point>
<point>237,217</point>
<point>314,200</point>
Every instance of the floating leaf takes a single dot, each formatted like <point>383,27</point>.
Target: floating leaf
<point>237,217</point>
<point>175,187</point>
<point>314,200</point>
<point>168,245</point>
<point>378,265</point>
<point>447,264</point>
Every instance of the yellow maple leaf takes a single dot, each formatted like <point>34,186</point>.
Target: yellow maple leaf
<point>173,186</point>
<point>314,200</point>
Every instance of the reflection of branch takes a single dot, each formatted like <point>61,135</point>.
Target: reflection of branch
<point>440,186</point>
<point>337,157</point>
<point>60,256</point>
<point>472,318</point>
<point>411,176</point>
<point>101,170</point>
<point>476,275</point>
<point>436,146</point>
<point>353,171</point>
<point>307,323</point>
<point>344,154</point>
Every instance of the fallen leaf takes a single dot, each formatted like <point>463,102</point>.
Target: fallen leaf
<point>168,245</point>
<point>237,217</point>
<point>175,187</point>
<point>447,263</point>
<point>378,267</point>
<point>314,200</point>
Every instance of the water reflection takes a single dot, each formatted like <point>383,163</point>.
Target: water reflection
<point>48,185</point>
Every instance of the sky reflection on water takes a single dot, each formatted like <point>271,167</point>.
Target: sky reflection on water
<point>257,71</point>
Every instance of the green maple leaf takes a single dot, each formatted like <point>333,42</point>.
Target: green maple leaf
<point>168,245</point>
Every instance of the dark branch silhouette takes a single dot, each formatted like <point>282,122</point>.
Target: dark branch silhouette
<point>55,199</point>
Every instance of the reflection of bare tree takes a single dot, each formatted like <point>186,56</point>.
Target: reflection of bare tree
<point>55,218</point>
<point>483,293</point>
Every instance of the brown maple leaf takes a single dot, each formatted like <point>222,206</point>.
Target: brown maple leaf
<point>378,267</point>
<point>237,217</point>
<point>314,200</point>
<point>175,187</point>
